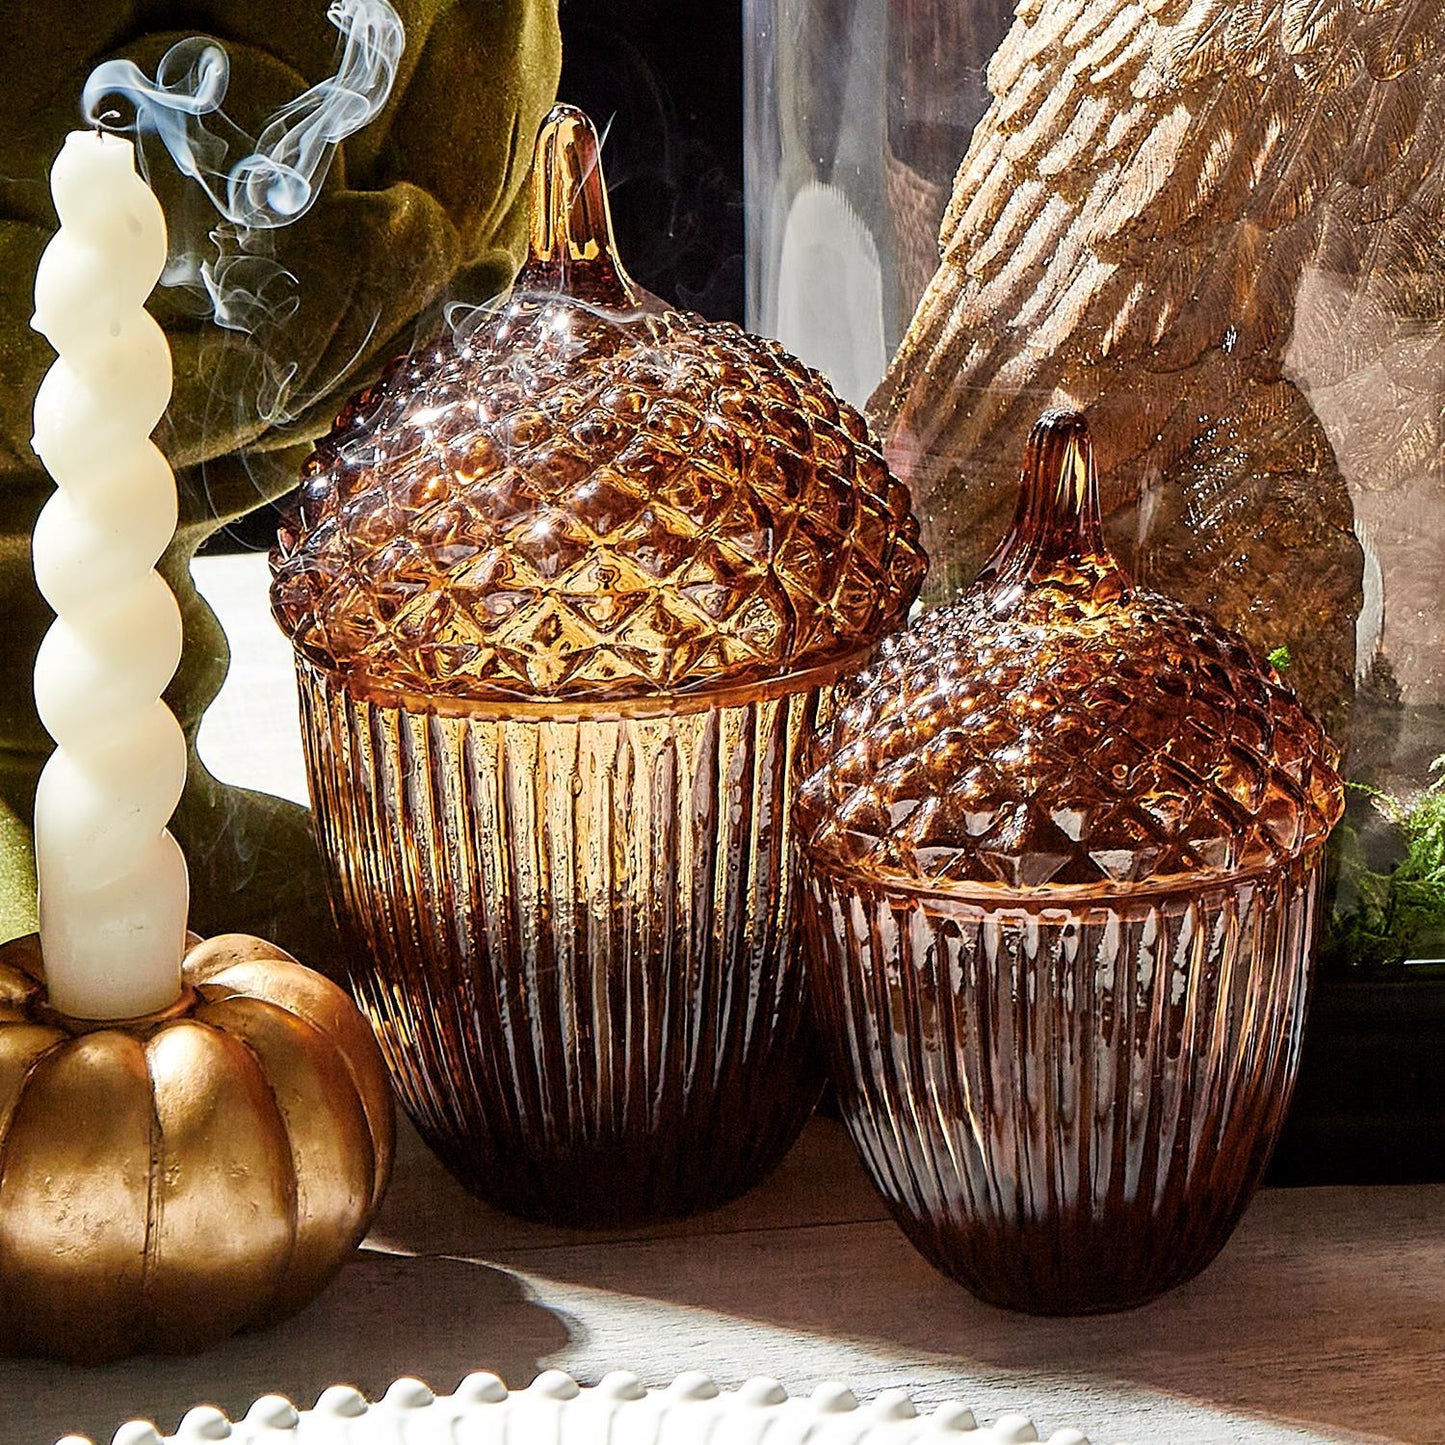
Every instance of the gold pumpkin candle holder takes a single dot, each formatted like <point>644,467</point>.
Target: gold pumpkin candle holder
<point>194,1135</point>
<point>171,1179</point>
<point>565,590</point>
<point>1062,854</point>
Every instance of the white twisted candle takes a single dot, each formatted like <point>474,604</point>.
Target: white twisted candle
<point>113,888</point>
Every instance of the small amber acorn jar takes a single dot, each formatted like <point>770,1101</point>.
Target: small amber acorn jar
<point>1061,857</point>
<point>565,590</point>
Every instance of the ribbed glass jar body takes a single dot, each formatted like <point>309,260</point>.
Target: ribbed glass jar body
<point>574,937</point>
<point>1067,1107</point>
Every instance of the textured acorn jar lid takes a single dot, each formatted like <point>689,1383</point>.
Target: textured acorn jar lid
<point>580,493</point>
<point>1061,728</point>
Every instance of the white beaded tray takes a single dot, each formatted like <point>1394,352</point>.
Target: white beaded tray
<point>555,1410</point>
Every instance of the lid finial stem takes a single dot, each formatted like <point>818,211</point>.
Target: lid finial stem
<point>573,249</point>
<point>1058,529</point>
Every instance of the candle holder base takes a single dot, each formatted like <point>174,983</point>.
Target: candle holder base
<point>173,1178</point>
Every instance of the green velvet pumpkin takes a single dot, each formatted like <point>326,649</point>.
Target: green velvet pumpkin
<point>426,203</point>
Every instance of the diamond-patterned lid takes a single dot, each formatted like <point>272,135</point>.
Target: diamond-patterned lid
<point>581,494</point>
<point>1062,728</point>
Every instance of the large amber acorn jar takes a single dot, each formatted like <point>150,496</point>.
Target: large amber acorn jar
<point>566,588</point>
<point>1061,860</point>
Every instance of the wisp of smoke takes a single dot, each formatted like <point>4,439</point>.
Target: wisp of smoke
<point>278,175</point>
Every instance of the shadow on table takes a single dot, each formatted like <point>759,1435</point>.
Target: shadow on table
<point>1327,1307</point>
<point>386,1315</point>
<point>426,1211</point>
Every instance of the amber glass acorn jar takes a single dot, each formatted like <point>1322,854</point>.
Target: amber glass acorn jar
<point>1061,859</point>
<point>566,589</point>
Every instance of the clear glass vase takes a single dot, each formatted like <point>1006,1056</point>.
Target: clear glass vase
<point>1220,240</point>
<point>858,112</point>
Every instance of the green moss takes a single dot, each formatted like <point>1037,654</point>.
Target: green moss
<point>1387,865</point>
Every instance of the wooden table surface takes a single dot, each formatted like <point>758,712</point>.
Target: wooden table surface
<point>1324,1319</point>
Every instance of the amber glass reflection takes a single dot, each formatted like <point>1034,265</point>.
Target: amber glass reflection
<point>1062,853</point>
<point>565,589</point>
